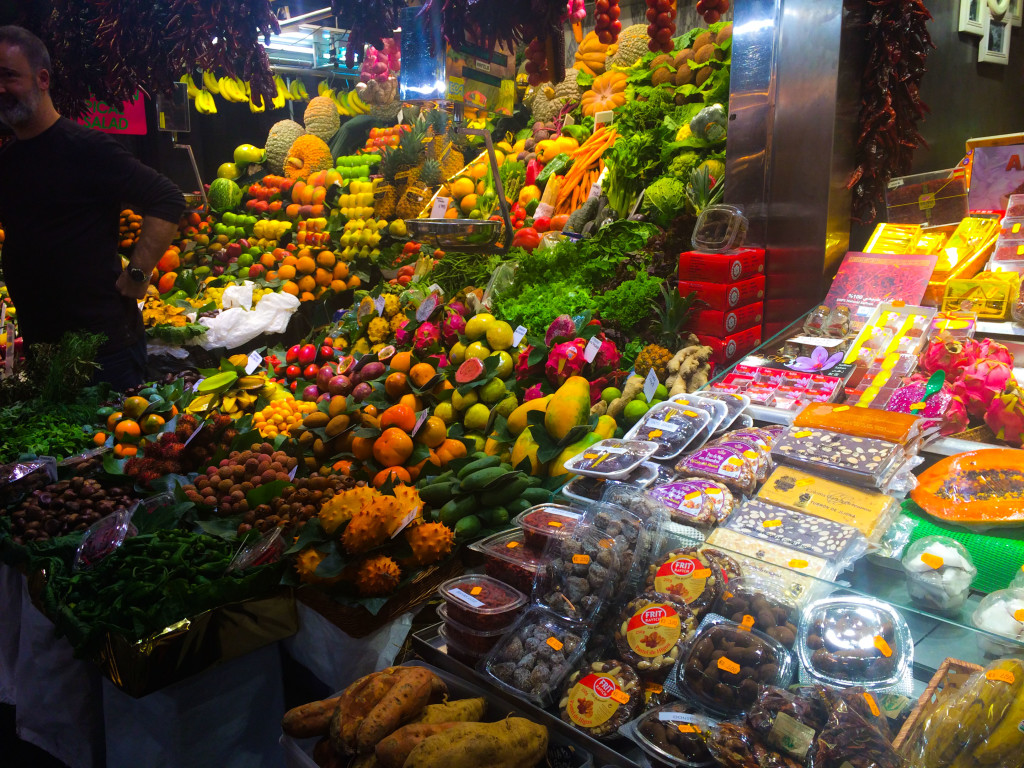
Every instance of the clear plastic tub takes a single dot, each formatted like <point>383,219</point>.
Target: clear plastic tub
<point>535,656</point>
<point>583,572</point>
<point>481,603</point>
<point>470,639</point>
<point>672,736</point>
<point>458,651</point>
<point>611,458</point>
<point>1001,613</point>
<point>600,697</point>
<point>727,683</point>
<point>719,228</point>
<point>651,631</point>
<point>844,641</point>
<point>624,532</point>
<point>939,573</point>
<point>761,602</point>
<point>508,559</point>
<point>734,402</point>
<point>544,522</point>
<point>586,490</point>
<point>839,543</point>
<point>688,576</point>
<point>717,409</point>
<point>672,426</point>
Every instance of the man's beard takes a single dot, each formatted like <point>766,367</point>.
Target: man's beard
<point>16,112</point>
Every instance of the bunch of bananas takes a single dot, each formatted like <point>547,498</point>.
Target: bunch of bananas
<point>348,104</point>
<point>358,202</point>
<point>236,90</point>
<point>360,238</point>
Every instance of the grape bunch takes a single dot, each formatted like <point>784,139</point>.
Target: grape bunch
<point>712,10</point>
<point>661,17</point>
<point>606,21</point>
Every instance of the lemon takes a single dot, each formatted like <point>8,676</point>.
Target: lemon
<point>499,335</point>
<point>505,364</point>
<point>445,412</point>
<point>478,440</point>
<point>462,402</point>
<point>493,391</point>
<point>478,324</point>
<point>661,393</point>
<point>457,354</point>
<point>476,417</point>
<point>478,350</point>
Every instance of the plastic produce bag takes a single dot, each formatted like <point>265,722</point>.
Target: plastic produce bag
<point>849,740</point>
<point>234,327</point>
<point>237,296</point>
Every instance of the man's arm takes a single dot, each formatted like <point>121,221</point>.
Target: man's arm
<point>154,238</point>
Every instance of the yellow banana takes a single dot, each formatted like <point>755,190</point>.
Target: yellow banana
<point>205,105</point>
<point>242,86</point>
<point>190,85</point>
<point>1004,746</point>
<point>211,83</point>
<point>342,104</point>
<point>227,89</point>
<point>321,87</point>
<point>253,107</point>
<point>356,104</point>
<point>301,89</point>
<point>282,89</point>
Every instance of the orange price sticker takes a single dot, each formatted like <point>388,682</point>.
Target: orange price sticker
<point>872,705</point>
<point>1019,615</point>
<point>772,523</point>
<point>728,665</point>
<point>883,646</point>
<point>797,563</point>
<point>476,590</point>
<point>1016,228</point>
<point>691,414</point>
<point>669,621</point>
<point>700,573</point>
<point>554,524</point>
<point>555,643</point>
<point>932,561</point>
<point>728,595</point>
<point>1001,675</point>
<point>605,543</point>
<point>581,559</point>
<point>750,454</point>
<point>512,545</point>
<point>590,455</point>
<point>748,622</point>
<point>687,728</point>
<point>653,688</point>
<point>620,696</point>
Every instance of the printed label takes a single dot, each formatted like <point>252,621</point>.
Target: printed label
<point>748,622</point>
<point>653,688</point>
<point>594,699</point>
<point>440,207</point>
<point>554,524</point>
<point>728,665</point>
<point>592,348</point>
<point>683,576</point>
<point>555,643</point>
<point>791,736</point>
<point>932,561</point>
<point>650,385</point>
<point>797,563</point>
<point>512,544</point>
<point>476,590</point>
<point>1001,675</point>
<point>518,336</point>
<point>378,303</point>
<point>254,361</point>
<point>653,630</point>
<point>677,717</point>
<point>458,593</point>
<point>688,728</point>
<point>772,524</point>
<point>605,543</point>
<point>581,559</point>
<point>1019,615</point>
<point>883,646</point>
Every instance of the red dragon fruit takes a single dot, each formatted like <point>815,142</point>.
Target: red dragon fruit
<point>562,329</point>
<point>955,419</point>
<point>1005,415</point>
<point>565,360</point>
<point>426,336</point>
<point>523,368</point>
<point>949,355</point>
<point>981,382</point>
<point>453,325</point>
<point>533,393</point>
<point>402,334</point>
<point>987,349</point>
<point>607,357</point>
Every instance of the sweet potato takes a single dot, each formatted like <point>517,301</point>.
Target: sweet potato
<point>394,748</point>
<point>325,756</point>
<point>364,761</point>
<point>511,743</point>
<point>405,700</point>
<point>312,719</point>
<point>356,703</point>
<point>458,711</point>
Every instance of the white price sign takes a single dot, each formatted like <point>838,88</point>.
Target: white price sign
<point>592,348</point>
<point>440,207</point>
<point>650,385</point>
<point>518,336</point>
<point>254,361</point>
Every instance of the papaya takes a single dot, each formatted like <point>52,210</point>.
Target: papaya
<point>517,419</point>
<point>494,448</point>
<point>569,407</point>
<point>526,448</point>
<point>604,428</point>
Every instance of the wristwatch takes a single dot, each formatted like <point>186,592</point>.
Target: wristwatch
<point>137,275</point>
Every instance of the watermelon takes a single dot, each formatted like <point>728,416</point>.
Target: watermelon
<point>224,195</point>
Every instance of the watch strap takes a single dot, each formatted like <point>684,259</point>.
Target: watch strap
<point>136,274</point>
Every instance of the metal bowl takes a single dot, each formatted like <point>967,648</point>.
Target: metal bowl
<point>454,233</point>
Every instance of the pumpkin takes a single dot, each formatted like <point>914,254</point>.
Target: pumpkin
<point>607,92</point>
<point>591,54</point>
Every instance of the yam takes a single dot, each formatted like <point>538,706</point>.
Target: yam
<point>511,743</point>
<point>408,696</point>
<point>704,38</point>
<point>705,54</point>
<point>356,703</point>
<point>393,749</point>
<point>308,720</point>
<point>458,711</point>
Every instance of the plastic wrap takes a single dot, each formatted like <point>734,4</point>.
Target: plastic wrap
<point>716,409</point>
<point>672,426</point>
<point>601,697</point>
<point>611,459</point>
<point>787,722</point>
<point>980,489</point>
<point>1001,613</point>
<point>19,479</point>
<point>897,428</point>
<point>584,490</point>
<point>103,537</point>
<point>687,575</point>
<point>849,739</point>
<point>939,573</point>
<point>729,466</point>
<point>716,502</point>
<point>859,461</point>
<point>636,501</point>
<point>836,542</point>
<point>672,735</point>
<point>854,641</point>
<point>544,522</point>
<point>625,533</point>
<point>760,602</point>
<point>651,631</point>
<point>737,746</point>
<point>735,403</point>
<point>750,441</point>
<point>508,559</point>
<point>481,603</point>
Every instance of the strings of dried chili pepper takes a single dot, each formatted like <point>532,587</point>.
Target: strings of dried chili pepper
<point>898,44</point>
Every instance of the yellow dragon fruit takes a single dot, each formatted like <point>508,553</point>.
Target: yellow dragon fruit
<point>378,576</point>
<point>1005,415</point>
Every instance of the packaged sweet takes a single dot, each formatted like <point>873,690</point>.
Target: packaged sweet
<point>672,426</point>
<point>735,745</point>
<point>787,722</point>
<point>761,603</point>
<point>508,559</point>
<point>804,533</point>
<point>861,461</point>
<point>721,464</point>
<point>730,566</point>
<point>735,403</point>
<point>751,450</point>
<point>716,409</point>
<point>854,641</point>
<point>860,422</point>
<point>456,650</point>
<point>611,458</point>
<point>687,503</point>
<point>472,640</point>
<point>583,572</point>
<point>849,740</point>
<point>586,489</point>
<point>978,490</point>
<point>727,663</point>
<point>536,655</point>
<point>939,573</point>
<point>868,511</point>
<point>865,703</point>
<point>635,501</point>
<point>547,521</point>
<point>481,602</point>
<point>655,695</point>
<point>1001,613</point>
<point>651,631</point>
<point>688,575</point>
<point>623,532</point>
<point>601,697</point>
<point>19,479</point>
<point>673,735</point>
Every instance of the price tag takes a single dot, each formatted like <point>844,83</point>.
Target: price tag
<point>595,190</point>
<point>701,573</point>
<point>619,696</point>
<point>1016,228</point>
<point>803,433</point>
<point>555,643</point>
<point>748,622</point>
<point>605,543</point>
<point>1018,615</point>
<point>917,406</point>
<point>518,336</point>
<point>581,559</point>
<point>840,408</point>
<point>379,304</point>
<point>669,621</point>
<point>255,358</point>
<point>650,385</point>
<point>435,288</point>
<point>750,455</point>
<point>592,348</point>
<point>554,524</point>
<point>476,590</point>
<point>932,561</point>
<point>687,728</point>
<point>772,524</point>
<point>195,387</point>
<point>872,705</point>
<point>512,545</point>
<point>713,491</point>
<point>729,595</point>
<point>1000,675</point>
<point>405,522</point>
<point>291,475</point>
<point>420,419</point>
<point>728,665</point>
<point>440,207</point>
<point>883,646</point>
<point>796,563</point>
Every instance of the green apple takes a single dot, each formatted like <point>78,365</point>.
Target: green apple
<point>247,153</point>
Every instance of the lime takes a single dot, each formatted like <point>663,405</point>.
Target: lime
<point>634,411</point>
<point>476,417</point>
<point>462,402</point>
<point>610,393</point>
<point>661,393</point>
<point>493,391</point>
<point>499,335</point>
<point>477,326</point>
<point>478,350</point>
<point>245,260</point>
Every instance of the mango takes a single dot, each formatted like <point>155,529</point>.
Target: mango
<point>526,448</point>
<point>517,419</point>
<point>569,407</point>
<point>604,428</point>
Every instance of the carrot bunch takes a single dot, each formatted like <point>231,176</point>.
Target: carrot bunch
<point>585,171</point>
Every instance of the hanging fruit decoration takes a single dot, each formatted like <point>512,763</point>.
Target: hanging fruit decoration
<point>537,67</point>
<point>712,10</point>
<point>661,17</point>
<point>606,21</point>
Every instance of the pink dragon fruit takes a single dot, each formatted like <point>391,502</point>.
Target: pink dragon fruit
<point>987,349</point>
<point>458,308</point>
<point>1005,415</point>
<point>949,355</point>
<point>607,357</point>
<point>597,387</point>
<point>565,360</point>
<point>981,382</point>
<point>402,334</point>
<point>533,393</point>
<point>523,368</point>
<point>955,419</point>
<point>426,336</point>
<point>453,325</point>
<point>562,329</point>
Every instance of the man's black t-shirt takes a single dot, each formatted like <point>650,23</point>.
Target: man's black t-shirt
<point>60,196</point>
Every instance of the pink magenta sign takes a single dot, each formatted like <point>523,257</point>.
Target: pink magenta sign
<point>130,118</point>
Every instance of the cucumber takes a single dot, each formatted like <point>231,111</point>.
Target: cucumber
<point>468,527</point>
<point>476,466</point>
<point>517,506</point>
<point>536,495</point>
<point>493,517</point>
<point>483,478</point>
<point>507,492</point>
<point>437,494</point>
<point>456,509</point>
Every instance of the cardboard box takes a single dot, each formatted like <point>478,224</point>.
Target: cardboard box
<point>725,296</point>
<point>717,323</point>
<point>727,350</point>
<point>730,267</point>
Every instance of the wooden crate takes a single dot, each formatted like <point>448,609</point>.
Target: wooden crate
<point>951,674</point>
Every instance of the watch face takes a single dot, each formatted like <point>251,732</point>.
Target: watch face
<point>137,275</point>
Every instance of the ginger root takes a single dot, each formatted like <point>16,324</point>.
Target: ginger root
<point>699,379</point>
<point>600,408</point>
<point>633,385</point>
<point>678,387</point>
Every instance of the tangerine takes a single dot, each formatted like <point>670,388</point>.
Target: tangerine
<point>323,277</point>
<point>462,187</point>
<point>396,385</point>
<point>135,406</point>
<point>286,271</point>
<point>422,373</point>
<point>113,418</point>
<point>362,448</point>
<point>400,416</point>
<point>100,438</point>
<point>340,270</point>
<point>412,401</point>
<point>337,286</point>
<point>127,431</point>
<point>343,467</point>
<point>306,265</point>
<point>392,448</point>
<point>325,259</point>
<point>125,451</point>
<point>433,432</point>
<point>354,281</point>
<point>401,362</point>
<point>394,474</point>
<point>307,284</point>
<point>152,424</point>
<point>290,287</point>
<point>451,449</point>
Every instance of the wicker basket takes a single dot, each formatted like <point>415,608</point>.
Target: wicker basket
<point>951,674</point>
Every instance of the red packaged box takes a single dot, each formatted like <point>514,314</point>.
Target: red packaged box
<point>725,296</point>
<point>727,350</point>
<point>731,267</point>
<point>717,323</point>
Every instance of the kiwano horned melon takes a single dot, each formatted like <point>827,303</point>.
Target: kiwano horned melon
<point>378,575</point>
<point>429,542</point>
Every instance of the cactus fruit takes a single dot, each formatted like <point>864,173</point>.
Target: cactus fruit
<point>1005,415</point>
<point>949,355</point>
<point>562,328</point>
<point>378,576</point>
<point>306,564</point>
<point>429,542</point>
<point>982,381</point>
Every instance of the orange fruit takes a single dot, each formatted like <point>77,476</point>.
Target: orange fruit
<point>135,406</point>
<point>401,362</point>
<point>342,467</point>
<point>127,431</point>
<point>166,282</point>
<point>340,270</point>
<point>443,387</point>
<point>370,409</point>
<point>452,213</point>
<point>307,284</point>
<point>416,469</point>
<point>400,416</point>
<point>412,401</point>
<point>462,187</point>
<point>113,418</point>
<point>394,474</point>
<point>170,261</point>
<point>290,260</point>
<point>268,260</point>
<point>478,170</point>
<point>362,448</point>
<point>323,277</point>
<point>396,385</point>
<point>152,424</point>
<point>290,287</point>
<point>433,432</point>
<point>468,203</point>
<point>451,449</point>
<point>325,259</point>
<point>286,271</point>
<point>306,265</point>
<point>354,281</point>
<point>421,373</point>
<point>306,296</point>
<point>336,285</point>
<point>100,438</point>
<point>125,451</point>
<point>392,448</point>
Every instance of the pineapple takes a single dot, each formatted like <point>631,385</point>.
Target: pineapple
<point>437,129</point>
<point>412,201</point>
<point>410,147</point>
<point>699,190</point>
<point>673,313</point>
<point>653,357</point>
<point>430,174</point>
<point>386,194</point>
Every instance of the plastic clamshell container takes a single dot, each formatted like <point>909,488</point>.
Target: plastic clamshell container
<point>715,408</point>
<point>481,603</point>
<point>583,573</point>
<point>629,535</point>
<point>461,653</point>
<point>743,597</point>
<point>939,573</point>
<point>997,613</point>
<point>701,677</point>
<point>587,490</point>
<point>555,644</point>
<point>719,228</point>
<point>508,559</point>
<point>103,537</point>
<point>691,736</point>
<point>861,461</point>
<point>672,427</point>
<point>844,641</point>
<point>543,522</point>
<point>611,458</point>
<point>470,639</point>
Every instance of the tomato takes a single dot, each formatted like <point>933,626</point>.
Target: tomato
<point>542,224</point>
<point>558,222</point>
<point>526,238</point>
